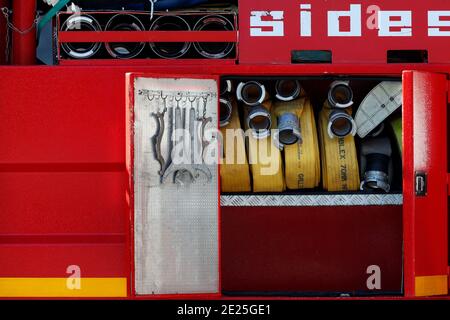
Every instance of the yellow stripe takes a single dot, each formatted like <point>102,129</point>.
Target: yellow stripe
<point>60,287</point>
<point>431,286</point>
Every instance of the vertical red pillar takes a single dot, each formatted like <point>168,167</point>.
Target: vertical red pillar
<point>3,30</point>
<point>24,45</point>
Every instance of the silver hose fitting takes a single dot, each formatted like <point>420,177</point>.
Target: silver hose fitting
<point>214,50</point>
<point>341,124</point>
<point>252,93</point>
<point>226,86</point>
<point>287,90</point>
<point>226,112</point>
<point>82,50</point>
<point>288,129</point>
<point>170,50</point>
<point>376,164</point>
<point>259,120</point>
<point>340,95</point>
<point>124,50</point>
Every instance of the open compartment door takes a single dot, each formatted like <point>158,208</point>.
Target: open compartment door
<point>174,193</point>
<point>425,183</point>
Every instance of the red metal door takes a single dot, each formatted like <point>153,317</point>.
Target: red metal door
<point>425,183</point>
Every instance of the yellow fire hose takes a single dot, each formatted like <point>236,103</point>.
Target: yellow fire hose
<point>234,168</point>
<point>266,162</point>
<point>302,159</point>
<point>340,169</point>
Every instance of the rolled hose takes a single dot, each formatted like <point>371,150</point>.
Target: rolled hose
<point>302,160</point>
<point>234,168</point>
<point>124,50</point>
<point>340,169</point>
<point>170,50</point>
<point>82,22</point>
<point>214,50</point>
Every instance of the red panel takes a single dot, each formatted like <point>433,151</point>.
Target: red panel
<point>62,202</point>
<point>425,150</point>
<point>49,260</point>
<point>310,249</point>
<point>369,47</point>
<point>50,115</point>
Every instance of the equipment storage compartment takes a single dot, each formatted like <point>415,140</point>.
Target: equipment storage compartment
<point>314,205</point>
<point>335,203</point>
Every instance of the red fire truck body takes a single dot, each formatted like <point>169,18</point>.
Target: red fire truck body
<point>65,181</point>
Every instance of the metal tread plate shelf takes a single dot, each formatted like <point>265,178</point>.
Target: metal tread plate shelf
<point>323,200</point>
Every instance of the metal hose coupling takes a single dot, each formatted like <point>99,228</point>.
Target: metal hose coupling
<point>340,121</point>
<point>288,130</point>
<point>226,112</point>
<point>340,95</point>
<point>81,50</point>
<point>287,90</point>
<point>124,50</point>
<point>170,50</point>
<point>214,50</point>
<point>226,87</point>
<point>341,124</point>
<point>376,164</point>
<point>259,120</point>
<point>252,93</point>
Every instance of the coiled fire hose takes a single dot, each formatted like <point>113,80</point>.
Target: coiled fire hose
<point>264,156</point>
<point>340,170</point>
<point>234,168</point>
<point>302,159</point>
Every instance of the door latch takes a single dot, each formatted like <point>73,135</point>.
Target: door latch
<point>421,184</point>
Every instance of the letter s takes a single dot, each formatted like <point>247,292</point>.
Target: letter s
<point>275,26</point>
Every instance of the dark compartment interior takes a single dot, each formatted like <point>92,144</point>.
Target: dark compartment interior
<point>317,90</point>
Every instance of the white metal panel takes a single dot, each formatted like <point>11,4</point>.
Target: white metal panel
<point>176,226</point>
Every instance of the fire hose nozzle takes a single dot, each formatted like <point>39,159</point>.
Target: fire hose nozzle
<point>252,93</point>
<point>287,90</point>
<point>259,120</point>
<point>340,95</point>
